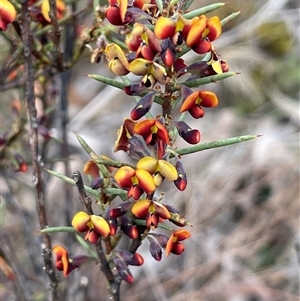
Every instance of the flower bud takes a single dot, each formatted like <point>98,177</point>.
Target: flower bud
<point>143,106</point>
<point>120,209</point>
<point>123,270</point>
<point>181,181</point>
<point>189,135</point>
<point>155,248</point>
<point>114,17</point>
<point>128,228</point>
<point>97,183</point>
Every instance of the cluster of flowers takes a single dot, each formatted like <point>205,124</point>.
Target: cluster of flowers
<point>156,40</point>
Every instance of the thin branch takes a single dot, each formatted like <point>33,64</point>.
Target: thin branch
<point>37,171</point>
<point>114,282</point>
<point>56,35</point>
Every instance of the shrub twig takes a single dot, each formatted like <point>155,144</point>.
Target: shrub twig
<point>34,146</point>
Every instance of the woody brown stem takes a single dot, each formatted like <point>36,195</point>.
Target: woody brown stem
<point>34,146</point>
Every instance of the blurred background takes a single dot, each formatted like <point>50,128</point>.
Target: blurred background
<point>243,200</point>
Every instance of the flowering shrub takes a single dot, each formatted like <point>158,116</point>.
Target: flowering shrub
<point>148,39</point>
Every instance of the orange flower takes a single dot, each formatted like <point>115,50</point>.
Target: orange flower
<point>198,99</point>
<point>91,168</point>
<point>152,130</point>
<point>95,226</point>
<point>174,245</point>
<point>136,181</point>
<point>200,32</point>
<point>66,264</point>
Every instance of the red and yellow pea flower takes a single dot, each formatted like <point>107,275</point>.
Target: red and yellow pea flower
<point>125,132</point>
<point>198,32</point>
<point>118,63</point>
<point>141,66</point>
<point>143,41</point>
<point>66,264</point>
<point>95,226</point>
<point>198,99</point>
<point>173,245</point>
<point>159,169</point>
<point>152,131</point>
<point>137,181</point>
<point>164,28</point>
<point>150,210</point>
<point>129,142</point>
<point>8,14</point>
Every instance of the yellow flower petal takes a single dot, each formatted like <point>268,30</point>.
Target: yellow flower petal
<point>100,225</point>
<point>140,208</point>
<point>167,170</point>
<point>148,163</point>
<point>80,221</point>
<point>145,180</point>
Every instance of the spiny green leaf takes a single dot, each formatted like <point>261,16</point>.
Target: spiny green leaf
<point>230,18</point>
<point>103,170</point>
<point>58,229</point>
<point>106,80</point>
<point>203,10</point>
<point>215,144</point>
<point>209,79</point>
<point>71,181</point>
<point>186,4</point>
<point>113,191</point>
